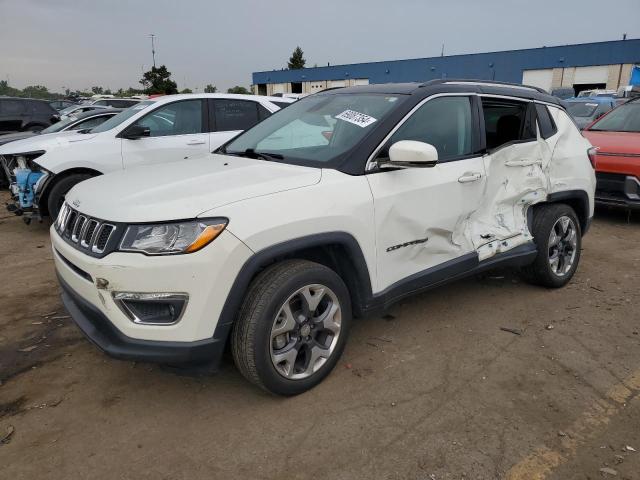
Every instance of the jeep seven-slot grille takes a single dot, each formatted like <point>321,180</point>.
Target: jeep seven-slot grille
<point>85,233</point>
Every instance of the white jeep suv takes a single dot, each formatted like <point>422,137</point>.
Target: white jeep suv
<point>342,203</point>
<point>169,128</point>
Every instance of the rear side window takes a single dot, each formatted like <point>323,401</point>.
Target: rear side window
<point>545,121</point>
<point>507,121</point>
<point>11,107</point>
<point>232,115</point>
<point>41,108</point>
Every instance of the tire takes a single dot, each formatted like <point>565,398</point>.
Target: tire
<point>34,128</point>
<point>60,189</point>
<point>544,270</point>
<point>257,346</point>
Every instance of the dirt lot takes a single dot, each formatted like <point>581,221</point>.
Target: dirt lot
<point>434,389</point>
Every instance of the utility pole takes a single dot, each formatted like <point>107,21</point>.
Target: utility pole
<point>153,49</point>
<point>442,51</point>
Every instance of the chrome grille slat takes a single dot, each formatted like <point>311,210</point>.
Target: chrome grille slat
<point>75,235</point>
<point>85,232</point>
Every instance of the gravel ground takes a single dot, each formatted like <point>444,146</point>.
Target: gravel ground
<point>432,389</point>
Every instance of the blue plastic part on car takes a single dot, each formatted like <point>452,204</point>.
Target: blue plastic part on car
<point>26,181</point>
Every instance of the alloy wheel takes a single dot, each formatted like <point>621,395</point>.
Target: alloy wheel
<point>305,331</point>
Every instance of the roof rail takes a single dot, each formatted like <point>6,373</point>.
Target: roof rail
<point>482,82</point>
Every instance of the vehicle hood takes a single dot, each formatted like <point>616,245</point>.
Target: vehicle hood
<point>45,142</point>
<point>12,137</point>
<point>614,142</point>
<point>185,189</point>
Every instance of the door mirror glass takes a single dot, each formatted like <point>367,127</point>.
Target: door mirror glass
<point>134,132</point>
<point>411,153</point>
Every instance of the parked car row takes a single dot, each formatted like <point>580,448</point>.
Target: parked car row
<point>193,236</point>
<point>169,128</point>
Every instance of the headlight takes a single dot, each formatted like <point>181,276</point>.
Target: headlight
<point>171,238</point>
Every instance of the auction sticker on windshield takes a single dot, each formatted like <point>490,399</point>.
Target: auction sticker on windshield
<point>357,118</point>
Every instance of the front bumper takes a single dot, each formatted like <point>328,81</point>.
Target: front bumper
<point>89,285</point>
<point>101,332</point>
<point>618,190</point>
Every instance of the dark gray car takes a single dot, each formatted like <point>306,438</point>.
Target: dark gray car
<point>25,114</point>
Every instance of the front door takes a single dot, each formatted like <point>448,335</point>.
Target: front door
<point>420,213</point>
<point>177,132</point>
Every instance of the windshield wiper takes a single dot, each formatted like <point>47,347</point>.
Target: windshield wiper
<point>251,153</point>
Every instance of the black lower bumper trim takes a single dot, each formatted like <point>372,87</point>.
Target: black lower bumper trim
<point>101,332</point>
<point>616,201</point>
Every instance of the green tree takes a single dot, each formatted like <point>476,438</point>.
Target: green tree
<point>97,90</point>
<point>6,89</point>
<point>186,90</point>
<point>210,89</point>
<point>239,89</point>
<point>36,91</point>
<point>297,60</point>
<point>158,80</point>
<point>108,92</point>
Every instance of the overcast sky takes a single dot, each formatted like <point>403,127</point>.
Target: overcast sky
<point>81,43</point>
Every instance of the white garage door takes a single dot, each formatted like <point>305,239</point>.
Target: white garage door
<point>591,74</point>
<point>338,83</point>
<point>538,78</point>
<point>361,81</point>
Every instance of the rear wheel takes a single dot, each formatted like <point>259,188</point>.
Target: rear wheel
<point>292,327</point>
<point>60,189</point>
<point>556,232</point>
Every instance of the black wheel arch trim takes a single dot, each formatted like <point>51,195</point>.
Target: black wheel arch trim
<point>574,198</point>
<point>288,249</point>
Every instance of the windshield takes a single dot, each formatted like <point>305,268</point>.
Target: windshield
<point>316,129</point>
<point>66,111</point>
<point>121,117</point>
<point>625,118</point>
<point>582,109</point>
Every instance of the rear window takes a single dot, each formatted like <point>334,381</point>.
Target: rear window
<point>545,121</point>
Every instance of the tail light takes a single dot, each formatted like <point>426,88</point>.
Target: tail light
<point>592,152</point>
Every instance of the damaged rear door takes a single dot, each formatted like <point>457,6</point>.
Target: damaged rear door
<point>516,165</point>
<point>420,213</point>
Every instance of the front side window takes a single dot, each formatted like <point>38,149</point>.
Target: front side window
<point>90,123</point>
<point>625,118</point>
<point>582,109</point>
<point>317,129</point>
<point>233,115</point>
<point>178,118</point>
<point>507,121</point>
<point>444,122</point>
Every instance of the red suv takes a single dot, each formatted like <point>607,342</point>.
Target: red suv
<point>616,156</point>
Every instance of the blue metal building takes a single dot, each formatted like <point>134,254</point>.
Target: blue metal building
<point>507,66</point>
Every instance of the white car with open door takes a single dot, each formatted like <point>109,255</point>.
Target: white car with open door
<point>343,202</point>
<point>166,129</point>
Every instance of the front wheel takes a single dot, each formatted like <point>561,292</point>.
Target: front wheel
<point>60,189</point>
<point>557,234</point>
<point>292,327</point>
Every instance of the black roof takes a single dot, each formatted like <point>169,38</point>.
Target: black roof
<point>452,86</point>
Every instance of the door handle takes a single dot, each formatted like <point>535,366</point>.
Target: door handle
<point>470,177</point>
<point>196,142</point>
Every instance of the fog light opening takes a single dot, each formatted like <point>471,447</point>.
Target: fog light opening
<point>152,308</point>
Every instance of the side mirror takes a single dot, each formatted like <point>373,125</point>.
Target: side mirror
<point>410,153</point>
<point>134,132</point>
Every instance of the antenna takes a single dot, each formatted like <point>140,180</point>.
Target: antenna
<point>153,48</point>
